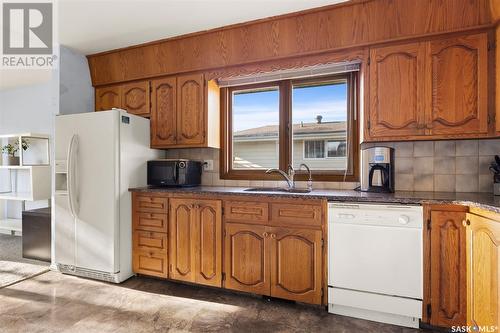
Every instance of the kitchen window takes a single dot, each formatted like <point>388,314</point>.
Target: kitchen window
<point>274,124</point>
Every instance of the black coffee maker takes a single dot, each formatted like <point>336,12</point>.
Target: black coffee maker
<point>377,169</point>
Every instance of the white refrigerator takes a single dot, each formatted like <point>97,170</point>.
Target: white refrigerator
<point>99,156</point>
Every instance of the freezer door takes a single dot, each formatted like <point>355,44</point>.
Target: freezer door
<point>64,232</point>
<point>94,168</point>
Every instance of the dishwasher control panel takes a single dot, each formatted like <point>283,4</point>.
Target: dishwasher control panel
<point>409,216</point>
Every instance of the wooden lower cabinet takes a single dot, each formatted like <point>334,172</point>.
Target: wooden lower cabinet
<point>483,271</point>
<point>275,261</point>
<point>183,239</point>
<point>446,303</point>
<point>151,263</point>
<point>196,241</point>
<point>246,254</point>
<point>296,264</point>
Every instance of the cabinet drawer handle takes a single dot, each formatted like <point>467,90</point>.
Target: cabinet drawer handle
<point>265,234</point>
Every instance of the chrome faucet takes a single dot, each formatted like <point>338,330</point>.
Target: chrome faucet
<point>309,180</point>
<point>289,177</point>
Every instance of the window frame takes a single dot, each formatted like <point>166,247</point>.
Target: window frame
<point>285,135</point>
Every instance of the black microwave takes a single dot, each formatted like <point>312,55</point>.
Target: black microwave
<point>181,173</point>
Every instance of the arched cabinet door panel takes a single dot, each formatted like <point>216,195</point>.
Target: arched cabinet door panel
<point>107,98</point>
<point>459,86</point>
<point>246,256</point>
<point>163,112</point>
<point>447,269</point>
<point>191,115</point>
<point>182,256</point>
<point>396,91</point>
<point>483,271</point>
<point>296,264</point>
<point>208,245</point>
<point>136,98</point>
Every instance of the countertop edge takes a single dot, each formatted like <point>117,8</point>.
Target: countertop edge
<point>483,200</point>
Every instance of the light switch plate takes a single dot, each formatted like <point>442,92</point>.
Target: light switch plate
<point>208,165</point>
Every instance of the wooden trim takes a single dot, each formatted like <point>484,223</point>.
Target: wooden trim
<point>299,34</point>
<point>285,136</point>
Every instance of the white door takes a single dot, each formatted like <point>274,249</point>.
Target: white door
<point>95,188</point>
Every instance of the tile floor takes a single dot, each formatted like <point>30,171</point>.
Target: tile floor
<point>53,302</point>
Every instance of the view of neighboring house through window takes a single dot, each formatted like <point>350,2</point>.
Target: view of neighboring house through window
<point>272,125</point>
<point>255,128</point>
<point>319,113</point>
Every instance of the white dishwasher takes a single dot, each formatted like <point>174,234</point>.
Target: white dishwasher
<point>375,267</point>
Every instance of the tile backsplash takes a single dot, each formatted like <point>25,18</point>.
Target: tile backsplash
<point>441,166</point>
<point>211,178</point>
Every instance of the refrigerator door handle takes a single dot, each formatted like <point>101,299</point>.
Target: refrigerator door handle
<point>73,200</point>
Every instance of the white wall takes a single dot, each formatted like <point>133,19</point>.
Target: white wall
<point>76,94</point>
<point>29,109</point>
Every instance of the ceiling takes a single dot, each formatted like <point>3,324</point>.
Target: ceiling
<point>91,26</point>
<point>96,26</point>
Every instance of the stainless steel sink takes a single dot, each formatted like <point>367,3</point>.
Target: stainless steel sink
<point>277,189</point>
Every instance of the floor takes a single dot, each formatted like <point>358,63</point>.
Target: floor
<point>11,249</point>
<point>13,267</point>
<point>53,302</point>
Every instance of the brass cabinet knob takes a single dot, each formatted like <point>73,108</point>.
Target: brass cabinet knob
<point>465,223</point>
<point>273,236</point>
<point>265,234</point>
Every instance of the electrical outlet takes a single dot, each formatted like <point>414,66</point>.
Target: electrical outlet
<point>208,165</point>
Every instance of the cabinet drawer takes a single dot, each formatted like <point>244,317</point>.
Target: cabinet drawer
<point>150,263</point>
<point>151,222</point>
<point>295,214</point>
<point>150,241</point>
<point>246,211</point>
<point>151,204</point>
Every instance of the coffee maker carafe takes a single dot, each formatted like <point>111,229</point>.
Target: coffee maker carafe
<point>377,169</point>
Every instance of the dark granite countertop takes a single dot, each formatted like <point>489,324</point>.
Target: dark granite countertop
<point>480,200</point>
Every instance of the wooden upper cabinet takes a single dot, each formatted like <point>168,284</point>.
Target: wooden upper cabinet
<point>483,271</point>
<point>135,98</point>
<point>246,256</point>
<point>396,91</point>
<point>459,86</point>
<point>296,264</point>
<point>191,112</point>
<point>184,112</point>
<point>447,269</point>
<point>107,98</point>
<point>196,241</point>
<point>163,112</point>
<point>429,90</point>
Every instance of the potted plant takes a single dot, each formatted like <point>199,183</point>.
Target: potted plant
<point>11,149</point>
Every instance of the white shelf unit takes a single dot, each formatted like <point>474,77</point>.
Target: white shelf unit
<point>30,180</point>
